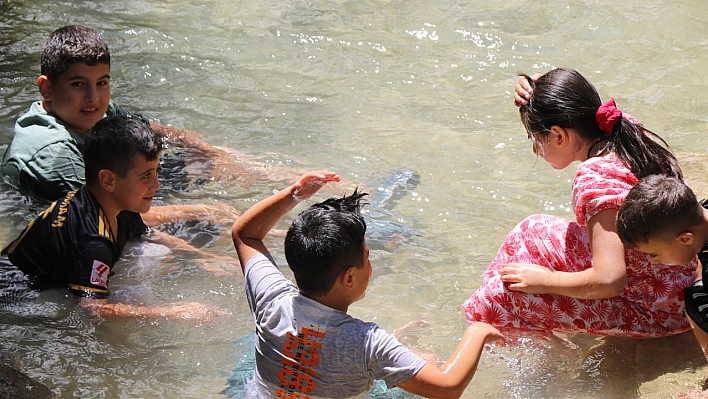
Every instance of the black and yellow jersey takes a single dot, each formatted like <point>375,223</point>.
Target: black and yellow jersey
<point>70,244</point>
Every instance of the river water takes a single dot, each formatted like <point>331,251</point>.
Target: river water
<point>368,89</point>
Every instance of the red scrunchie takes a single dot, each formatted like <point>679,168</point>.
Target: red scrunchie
<point>608,115</point>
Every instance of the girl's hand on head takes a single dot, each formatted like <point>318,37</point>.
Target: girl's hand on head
<point>311,182</point>
<point>525,277</point>
<point>523,90</point>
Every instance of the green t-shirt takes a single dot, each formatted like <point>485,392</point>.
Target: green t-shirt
<point>45,155</point>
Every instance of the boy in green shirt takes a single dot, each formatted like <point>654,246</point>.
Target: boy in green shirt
<point>46,152</point>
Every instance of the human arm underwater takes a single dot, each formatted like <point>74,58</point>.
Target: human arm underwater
<point>218,213</point>
<point>225,165</point>
<point>605,279</point>
<point>250,229</point>
<point>215,264</point>
<point>90,283</point>
<point>174,311</point>
<point>229,166</point>
<point>189,138</point>
<point>451,379</point>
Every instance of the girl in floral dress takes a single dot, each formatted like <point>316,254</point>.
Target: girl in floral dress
<point>553,274</point>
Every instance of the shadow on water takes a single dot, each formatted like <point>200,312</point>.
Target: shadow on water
<point>16,292</point>
<point>584,366</point>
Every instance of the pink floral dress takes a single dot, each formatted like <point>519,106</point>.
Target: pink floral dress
<point>651,304</point>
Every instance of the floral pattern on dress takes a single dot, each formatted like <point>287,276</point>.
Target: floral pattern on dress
<point>651,304</point>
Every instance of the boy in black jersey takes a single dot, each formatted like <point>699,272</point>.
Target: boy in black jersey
<point>662,218</point>
<point>76,241</point>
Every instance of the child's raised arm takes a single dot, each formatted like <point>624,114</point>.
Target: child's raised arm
<point>451,379</point>
<point>249,230</point>
<point>216,264</point>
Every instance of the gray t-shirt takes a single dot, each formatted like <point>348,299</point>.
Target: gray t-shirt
<point>305,349</point>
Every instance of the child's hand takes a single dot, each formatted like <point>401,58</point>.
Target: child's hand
<point>407,334</point>
<point>525,277</point>
<point>491,332</point>
<point>523,90</point>
<point>311,182</point>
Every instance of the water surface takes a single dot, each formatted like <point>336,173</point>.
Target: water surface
<point>364,88</point>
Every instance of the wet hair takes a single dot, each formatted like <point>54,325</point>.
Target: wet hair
<point>113,144</point>
<point>658,208</point>
<point>69,45</point>
<point>324,240</point>
<point>563,97</point>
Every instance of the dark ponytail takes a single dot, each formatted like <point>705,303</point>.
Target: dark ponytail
<point>639,149</point>
<point>563,97</point>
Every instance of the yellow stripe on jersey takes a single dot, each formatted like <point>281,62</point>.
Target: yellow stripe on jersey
<point>43,215</point>
<point>90,290</point>
<point>47,211</point>
<point>148,234</point>
<point>104,227</point>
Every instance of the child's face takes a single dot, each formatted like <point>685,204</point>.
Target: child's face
<point>668,252</point>
<point>80,95</point>
<point>135,191</point>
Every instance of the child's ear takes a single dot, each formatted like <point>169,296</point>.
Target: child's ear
<point>347,277</point>
<point>685,238</point>
<point>559,136</point>
<point>45,87</point>
<point>107,180</point>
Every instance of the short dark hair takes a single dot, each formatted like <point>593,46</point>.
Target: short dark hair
<point>658,208</point>
<point>72,44</point>
<point>324,240</point>
<point>113,144</point>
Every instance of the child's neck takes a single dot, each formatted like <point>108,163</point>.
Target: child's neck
<point>106,203</point>
<point>595,149</point>
<point>334,301</point>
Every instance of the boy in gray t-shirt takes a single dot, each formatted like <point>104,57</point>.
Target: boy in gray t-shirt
<point>306,344</point>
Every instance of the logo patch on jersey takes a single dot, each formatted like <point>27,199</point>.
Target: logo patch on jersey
<point>99,274</point>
